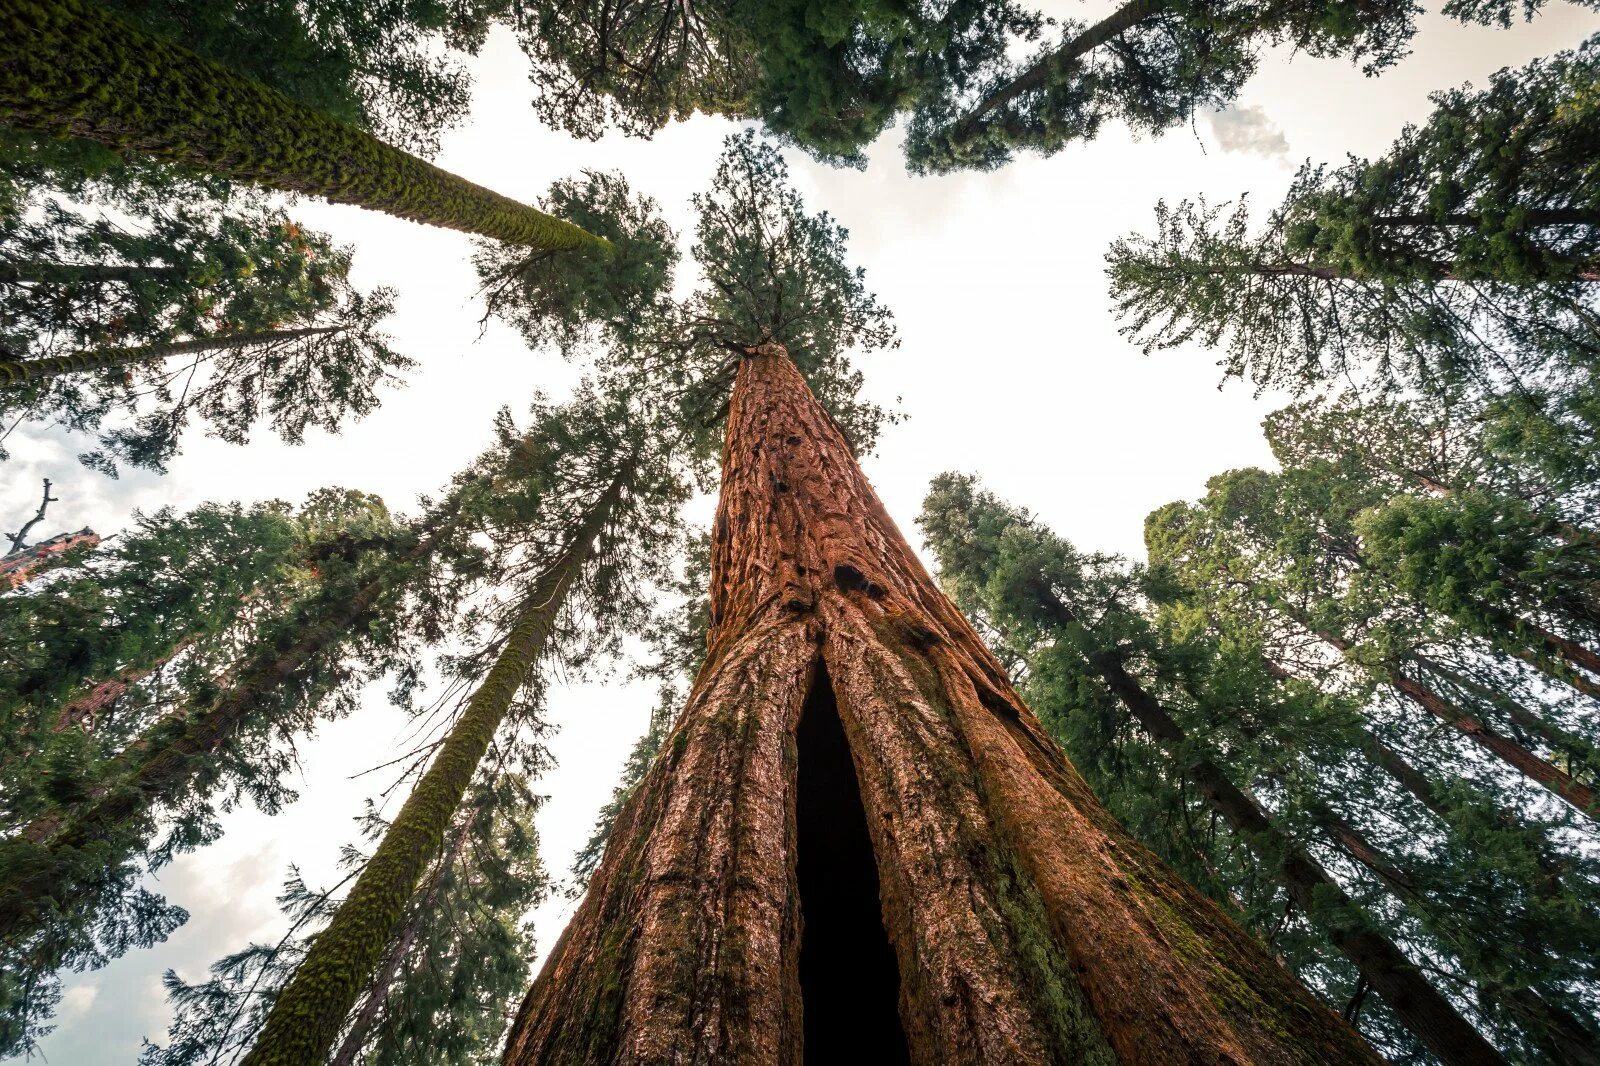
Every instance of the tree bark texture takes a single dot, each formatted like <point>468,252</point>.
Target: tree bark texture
<point>69,68</point>
<point>1027,926</point>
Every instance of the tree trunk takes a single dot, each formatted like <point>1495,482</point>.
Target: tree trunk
<point>85,710</point>
<point>38,272</point>
<point>307,1015</point>
<point>24,371</point>
<point>1537,769</point>
<point>68,67</point>
<point>383,980</point>
<point>859,842</point>
<point>1039,74</point>
<point>1559,1033</point>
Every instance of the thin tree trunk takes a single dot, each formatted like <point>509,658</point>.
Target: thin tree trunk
<point>25,371</point>
<point>39,272</point>
<point>67,67</point>
<point>1572,653</point>
<point>307,1015</point>
<point>1539,770</point>
<point>1381,964</point>
<point>19,539</point>
<point>1541,727</point>
<point>1561,1035</point>
<point>85,710</point>
<point>378,990</point>
<point>1008,917</point>
<point>1063,59</point>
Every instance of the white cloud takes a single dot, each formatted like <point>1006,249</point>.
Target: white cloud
<point>1248,129</point>
<point>77,1000</point>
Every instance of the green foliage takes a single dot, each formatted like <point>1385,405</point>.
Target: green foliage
<point>1465,256</point>
<point>1478,864</point>
<point>767,269</point>
<point>1149,64</point>
<point>453,972</point>
<point>825,75</point>
<point>198,731</point>
<point>1465,869</point>
<point>266,324</point>
<point>69,69</point>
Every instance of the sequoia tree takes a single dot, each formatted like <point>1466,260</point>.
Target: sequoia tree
<point>69,68</point>
<point>1465,255</point>
<point>858,841</point>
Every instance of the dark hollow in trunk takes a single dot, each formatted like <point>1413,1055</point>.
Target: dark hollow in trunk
<point>849,979</point>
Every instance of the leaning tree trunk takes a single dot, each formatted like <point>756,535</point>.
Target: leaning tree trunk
<point>67,67</point>
<point>310,1011</point>
<point>23,371</point>
<point>858,845</point>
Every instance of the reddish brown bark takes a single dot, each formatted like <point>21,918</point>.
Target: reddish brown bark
<point>1028,927</point>
<point>1529,763</point>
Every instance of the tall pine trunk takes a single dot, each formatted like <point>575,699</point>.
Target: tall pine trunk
<point>859,845</point>
<point>310,1011</point>
<point>1053,65</point>
<point>68,67</point>
<point>24,371</point>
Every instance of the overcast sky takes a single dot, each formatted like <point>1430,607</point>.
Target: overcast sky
<point>1010,366</point>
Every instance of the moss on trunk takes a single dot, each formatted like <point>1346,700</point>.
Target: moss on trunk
<point>309,1013</point>
<point>69,68</point>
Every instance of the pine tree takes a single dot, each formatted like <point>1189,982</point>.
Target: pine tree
<point>1057,605</point>
<point>456,963</point>
<point>593,507</point>
<point>1150,63</point>
<point>829,77</point>
<point>1474,860</point>
<point>234,314</point>
<point>67,68</point>
<point>1465,256</point>
<point>222,731</point>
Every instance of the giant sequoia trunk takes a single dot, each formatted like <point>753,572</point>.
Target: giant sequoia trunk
<point>857,834</point>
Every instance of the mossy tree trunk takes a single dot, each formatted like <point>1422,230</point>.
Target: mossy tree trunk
<point>1023,924</point>
<point>26,371</point>
<point>69,68</point>
<point>309,1013</point>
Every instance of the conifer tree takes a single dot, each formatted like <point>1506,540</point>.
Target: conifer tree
<point>447,979</point>
<point>1466,255</point>
<point>232,313</point>
<point>1149,63</point>
<point>805,568</point>
<point>226,732</point>
<point>827,76</point>
<point>1068,616</point>
<point>67,68</point>
<point>588,517</point>
<point>1495,876</point>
